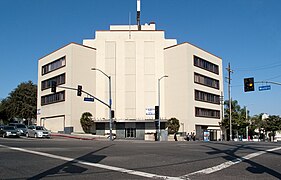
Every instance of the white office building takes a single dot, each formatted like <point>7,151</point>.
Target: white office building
<point>135,57</point>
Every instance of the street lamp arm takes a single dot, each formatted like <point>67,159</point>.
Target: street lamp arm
<point>159,124</point>
<point>162,77</point>
<point>110,101</point>
<point>96,69</point>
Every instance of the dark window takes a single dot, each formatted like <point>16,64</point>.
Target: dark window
<point>53,98</point>
<point>208,113</point>
<point>207,81</point>
<point>53,65</point>
<point>204,64</point>
<point>207,97</point>
<point>130,132</point>
<point>60,79</point>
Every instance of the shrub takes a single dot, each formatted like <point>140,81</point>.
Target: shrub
<point>86,122</point>
<point>173,125</point>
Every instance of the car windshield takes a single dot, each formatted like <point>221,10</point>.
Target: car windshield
<point>21,126</point>
<point>9,128</point>
<point>40,128</point>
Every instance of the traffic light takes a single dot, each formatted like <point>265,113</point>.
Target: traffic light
<point>54,87</point>
<point>156,125</point>
<point>79,90</point>
<point>249,84</point>
<point>156,112</point>
<point>112,113</point>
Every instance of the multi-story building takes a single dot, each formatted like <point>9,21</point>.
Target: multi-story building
<point>193,89</point>
<point>69,67</point>
<point>135,57</point>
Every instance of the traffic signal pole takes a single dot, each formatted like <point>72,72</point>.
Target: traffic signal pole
<point>270,82</point>
<point>76,89</point>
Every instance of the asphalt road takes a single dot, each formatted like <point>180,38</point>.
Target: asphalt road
<point>63,158</point>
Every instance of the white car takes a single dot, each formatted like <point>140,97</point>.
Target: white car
<point>37,132</point>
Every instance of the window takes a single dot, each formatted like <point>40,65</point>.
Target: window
<point>207,81</point>
<point>53,65</point>
<point>60,79</point>
<point>130,132</point>
<point>208,113</point>
<point>204,64</point>
<point>207,97</point>
<point>53,98</point>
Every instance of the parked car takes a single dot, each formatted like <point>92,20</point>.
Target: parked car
<point>9,131</point>
<point>37,131</point>
<point>21,127</point>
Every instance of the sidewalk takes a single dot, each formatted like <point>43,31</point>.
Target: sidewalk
<point>80,136</point>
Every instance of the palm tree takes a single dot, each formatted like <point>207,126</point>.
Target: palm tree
<point>257,123</point>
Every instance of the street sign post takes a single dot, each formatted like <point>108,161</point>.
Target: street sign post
<point>264,88</point>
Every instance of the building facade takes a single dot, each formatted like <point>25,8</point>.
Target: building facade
<point>135,58</point>
<point>67,66</point>
<point>194,89</point>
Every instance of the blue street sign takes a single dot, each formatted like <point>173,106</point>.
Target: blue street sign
<point>264,88</point>
<point>89,99</point>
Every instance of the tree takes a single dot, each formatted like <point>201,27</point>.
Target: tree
<point>238,118</point>
<point>273,124</point>
<point>4,116</point>
<point>86,122</point>
<point>21,102</point>
<point>256,123</point>
<point>173,125</point>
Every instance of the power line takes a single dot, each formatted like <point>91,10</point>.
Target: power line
<point>258,68</point>
<point>274,77</point>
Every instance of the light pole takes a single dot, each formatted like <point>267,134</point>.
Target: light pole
<point>159,106</point>
<point>109,103</point>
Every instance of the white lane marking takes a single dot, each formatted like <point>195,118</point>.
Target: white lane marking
<point>112,168</point>
<point>228,163</point>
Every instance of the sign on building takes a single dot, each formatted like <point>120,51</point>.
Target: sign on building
<point>150,111</point>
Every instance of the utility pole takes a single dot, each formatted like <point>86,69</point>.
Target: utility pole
<point>222,111</point>
<point>230,100</point>
<point>247,127</point>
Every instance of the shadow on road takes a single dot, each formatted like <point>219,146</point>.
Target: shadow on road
<point>71,167</point>
<point>254,168</point>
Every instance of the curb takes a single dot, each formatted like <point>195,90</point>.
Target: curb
<point>70,136</point>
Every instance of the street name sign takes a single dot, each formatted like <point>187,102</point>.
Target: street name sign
<point>89,99</point>
<point>264,88</point>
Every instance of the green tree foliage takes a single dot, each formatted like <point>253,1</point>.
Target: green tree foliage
<point>173,125</point>
<point>239,119</point>
<point>4,116</point>
<point>21,102</point>
<point>273,124</point>
<point>256,124</point>
<point>86,122</point>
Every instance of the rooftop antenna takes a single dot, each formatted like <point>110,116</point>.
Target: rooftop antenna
<point>138,15</point>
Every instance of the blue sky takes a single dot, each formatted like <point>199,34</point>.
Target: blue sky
<point>245,33</point>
